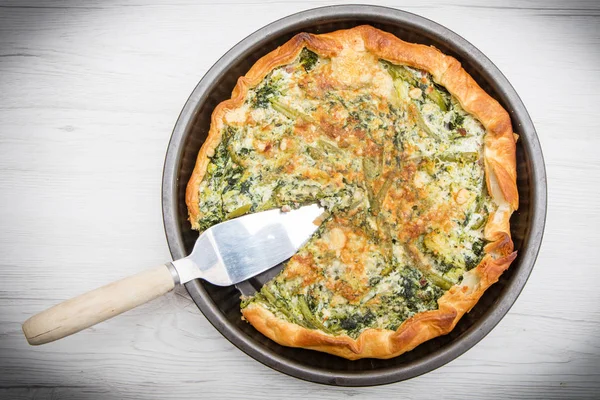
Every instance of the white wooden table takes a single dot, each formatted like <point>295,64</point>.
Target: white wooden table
<point>89,93</point>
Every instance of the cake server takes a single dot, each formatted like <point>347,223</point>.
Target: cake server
<point>225,254</point>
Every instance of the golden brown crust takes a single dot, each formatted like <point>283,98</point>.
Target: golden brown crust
<point>500,170</point>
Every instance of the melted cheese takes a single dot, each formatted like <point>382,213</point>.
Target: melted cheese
<point>395,160</point>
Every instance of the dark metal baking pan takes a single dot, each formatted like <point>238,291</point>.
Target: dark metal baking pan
<point>221,305</point>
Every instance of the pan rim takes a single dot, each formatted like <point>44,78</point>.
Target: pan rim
<point>480,328</point>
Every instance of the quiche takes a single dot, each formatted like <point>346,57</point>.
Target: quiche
<point>414,163</point>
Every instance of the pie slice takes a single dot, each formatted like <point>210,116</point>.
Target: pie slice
<point>414,163</point>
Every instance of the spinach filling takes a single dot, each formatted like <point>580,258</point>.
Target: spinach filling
<point>424,132</point>
<point>391,300</point>
<point>308,59</point>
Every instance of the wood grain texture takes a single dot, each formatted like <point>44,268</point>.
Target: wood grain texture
<point>90,92</point>
<point>91,308</point>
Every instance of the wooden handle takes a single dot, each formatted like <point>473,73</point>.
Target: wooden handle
<point>93,307</point>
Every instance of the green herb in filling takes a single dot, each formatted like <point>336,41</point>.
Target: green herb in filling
<point>441,146</point>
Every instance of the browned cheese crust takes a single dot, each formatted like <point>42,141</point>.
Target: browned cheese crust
<point>500,171</point>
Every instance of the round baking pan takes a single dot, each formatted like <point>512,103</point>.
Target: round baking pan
<point>221,305</point>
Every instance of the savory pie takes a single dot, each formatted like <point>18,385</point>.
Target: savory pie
<point>414,163</point>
